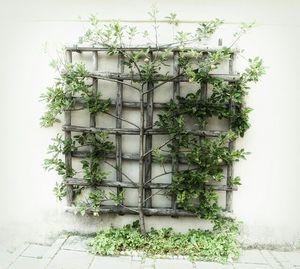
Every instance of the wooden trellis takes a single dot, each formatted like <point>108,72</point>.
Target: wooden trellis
<point>146,133</point>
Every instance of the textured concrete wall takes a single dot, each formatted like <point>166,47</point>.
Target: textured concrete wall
<point>268,200</point>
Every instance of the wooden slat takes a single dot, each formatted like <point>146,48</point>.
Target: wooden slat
<point>95,87</point>
<point>203,87</point>
<point>141,178</point>
<point>231,147</point>
<point>106,209</point>
<point>77,48</point>
<point>127,104</point>
<point>176,93</point>
<point>132,157</point>
<point>136,77</point>
<point>118,137</point>
<point>124,156</point>
<point>148,140</point>
<point>131,185</point>
<point>68,156</point>
<point>133,131</point>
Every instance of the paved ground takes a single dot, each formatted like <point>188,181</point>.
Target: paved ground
<point>70,253</point>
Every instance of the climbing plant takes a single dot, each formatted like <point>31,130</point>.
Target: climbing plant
<point>204,153</point>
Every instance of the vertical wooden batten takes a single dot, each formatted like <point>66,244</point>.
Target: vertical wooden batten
<point>230,172</point>
<point>118,137</point>
<point>176,92</point>
<point>148,139</point>
<point>68,135</point>
<point>95,87</point>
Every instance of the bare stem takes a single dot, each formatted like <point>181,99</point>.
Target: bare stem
<point>160,175</point>
<point>113,166</point>
<point>122,119</point>
<point>153,194</point>
<point>162,145</point>
<point>162,83</point>
<point>118,81</point>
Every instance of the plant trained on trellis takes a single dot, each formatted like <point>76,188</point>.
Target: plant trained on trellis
<point>198,159</point>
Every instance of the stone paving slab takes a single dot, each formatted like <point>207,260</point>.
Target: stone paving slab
<point>251,266</point>
<point>282,260</point>
<point>212,265</point>
<point>78,243</point>
<point>270,259</point>
<point>36,251</point>
<point>56,246</point>
<point>100,262</point>
<point>68,259</point>
<point>173,264</point>
<point>29,263</point>
<point>292,257</point>
<point>6,259</point>
<point>252,256</point>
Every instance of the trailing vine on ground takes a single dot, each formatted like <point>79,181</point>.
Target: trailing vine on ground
<point>204,158</point>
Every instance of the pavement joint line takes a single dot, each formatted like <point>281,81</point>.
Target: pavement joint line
<point>58,248</point>
<point>255,263</point>
<point>18,253</point>
<point>271,259</point>
<point>90,264</point>
<point>279,262</point>
<point>77,250</point>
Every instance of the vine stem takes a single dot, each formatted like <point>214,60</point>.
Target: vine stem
<point>122,119</point>
<point>153,194</point>
<point>167,173</point>
<point>162,145</point>
<point>121,173</point>
<point>160,175</point>
<point>118,81</point>
<point>164,82</point>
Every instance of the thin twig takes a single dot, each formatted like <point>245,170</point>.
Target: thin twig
<point>167,173</point>
<point>118,81</point>
<point>164,82</point>
<point>126,207</point>
<point>160,175</point>
<point>134,183</point>
<point>122,119</point>
<point>153,194</point>
<point>162,145</point>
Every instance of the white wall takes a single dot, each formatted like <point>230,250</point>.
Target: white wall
<point>268,200</point>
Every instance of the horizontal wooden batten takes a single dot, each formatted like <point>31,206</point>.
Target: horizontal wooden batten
<point>130,156</point>
<point>136,77</point>
<point>126,104</point>
<point>163,211</point>
<point>133,131</point>
<point>131,185</point>
<point>79,49</point>
<point>125,156</point>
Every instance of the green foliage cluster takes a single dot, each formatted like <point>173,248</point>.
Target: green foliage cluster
<point>95,200</point>
<point>72,82</point>
<point>206,157</point>
<point>219,244</point>
<point>93,174</point>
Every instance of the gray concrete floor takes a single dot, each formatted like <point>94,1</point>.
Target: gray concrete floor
<point>70,252</point>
